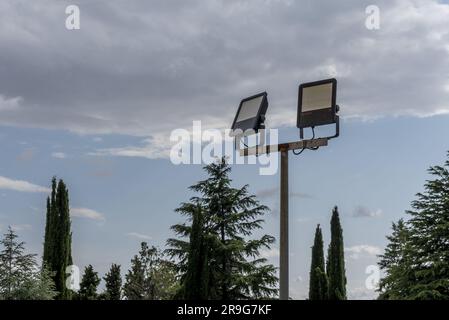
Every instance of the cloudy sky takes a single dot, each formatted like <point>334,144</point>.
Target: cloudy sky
<point>96,107</point>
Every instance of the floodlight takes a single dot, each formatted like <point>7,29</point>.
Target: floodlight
<point>317,103</point>
<point>250,115</point>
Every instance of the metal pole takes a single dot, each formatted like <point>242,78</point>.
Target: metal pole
<point>283,254</point>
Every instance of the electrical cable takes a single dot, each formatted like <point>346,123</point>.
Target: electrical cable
<point>304,148</point>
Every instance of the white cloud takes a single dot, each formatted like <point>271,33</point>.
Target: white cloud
<point>20,185</point>
<point>269,253</point>
<point>21,227</point>
<point>364,212</point>
<point>87,213</point>
<point>59,155</point>
<point>138,236</point>
<point>367,250</point>
<point>9,103</point>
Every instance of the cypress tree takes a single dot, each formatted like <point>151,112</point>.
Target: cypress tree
<point>196,278</point>
<point>89,284</point>
<point>335,260</point>
<point>57,253</point>
<point>318,280</point>
<point>113,283</point>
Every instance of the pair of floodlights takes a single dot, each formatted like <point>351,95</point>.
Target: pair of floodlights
<point>316,107</point>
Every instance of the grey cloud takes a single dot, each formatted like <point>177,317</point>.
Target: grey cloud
<point>146,67</point>
<point>274,192</point>
<point>364,212</point>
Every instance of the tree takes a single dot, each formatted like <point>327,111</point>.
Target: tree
<point>336,261</point>
<point>396,263</point>
<point>57,253</point>
<point>195,281</point>
<point>39,285</point>
<point>318,287</point>
<point>230,264</point>
<point>416,259</point>
<point>135,278</point>
<point>20,277</point>
<point>89,284</point>
<point>113,283</point>
<point>151,277</point>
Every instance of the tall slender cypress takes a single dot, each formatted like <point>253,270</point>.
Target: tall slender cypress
<point>335,261</point>
<point>318,280</point>
<point>57,246</point>
<point>45,256</point>
<point>195,281</point>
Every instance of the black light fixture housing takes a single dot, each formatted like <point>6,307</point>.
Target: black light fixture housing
<point>317,103</point>
<point>250,115</point>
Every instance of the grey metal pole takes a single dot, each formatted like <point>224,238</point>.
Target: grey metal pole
<point>283,254</point>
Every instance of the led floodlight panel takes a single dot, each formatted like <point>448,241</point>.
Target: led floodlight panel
<point>250,114</point>
<point>317,103</point>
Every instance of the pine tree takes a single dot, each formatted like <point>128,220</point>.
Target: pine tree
<point>396,262</point>
<point>417,258</point>
<point>20,278</point>
<point>113,283</point>
<point>140,283</point>
<point>89,284</point>
<point>39,285</point>
<point>135,278</point>
<point>318,288</point>
<point>57,253</point>
<point>335,261</point>
<point>232,268</point>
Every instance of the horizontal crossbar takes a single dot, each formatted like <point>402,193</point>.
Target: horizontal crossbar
<point>306,144</point>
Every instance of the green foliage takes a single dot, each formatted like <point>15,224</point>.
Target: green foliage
<point>113,283</point>
<point>215,258</point>
<point>195,282</point>
<point>336,261</point>
<point>39,285</point>
<point>318,287</point>
<point>416,260</point>
<point>57,253</point>
<point>89,284</point>
<point>20,277</point>
<point>151,277</point>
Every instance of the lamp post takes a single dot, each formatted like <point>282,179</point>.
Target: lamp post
<point>316,107</point>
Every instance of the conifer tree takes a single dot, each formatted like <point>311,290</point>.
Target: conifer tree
<point>417,257</point>
<point>318,287</point>
<point>196,278</point>
<point>20,277</point>
<point>231,263</point>
<point>133,288</point>
<point>113,283</point>
<point>89,284</point>
<point>396,262</point>
<point>335,261</point>
<point>57,253</point>
<point>139,283</point>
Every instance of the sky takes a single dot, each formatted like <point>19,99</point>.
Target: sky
<point>96,107</point>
